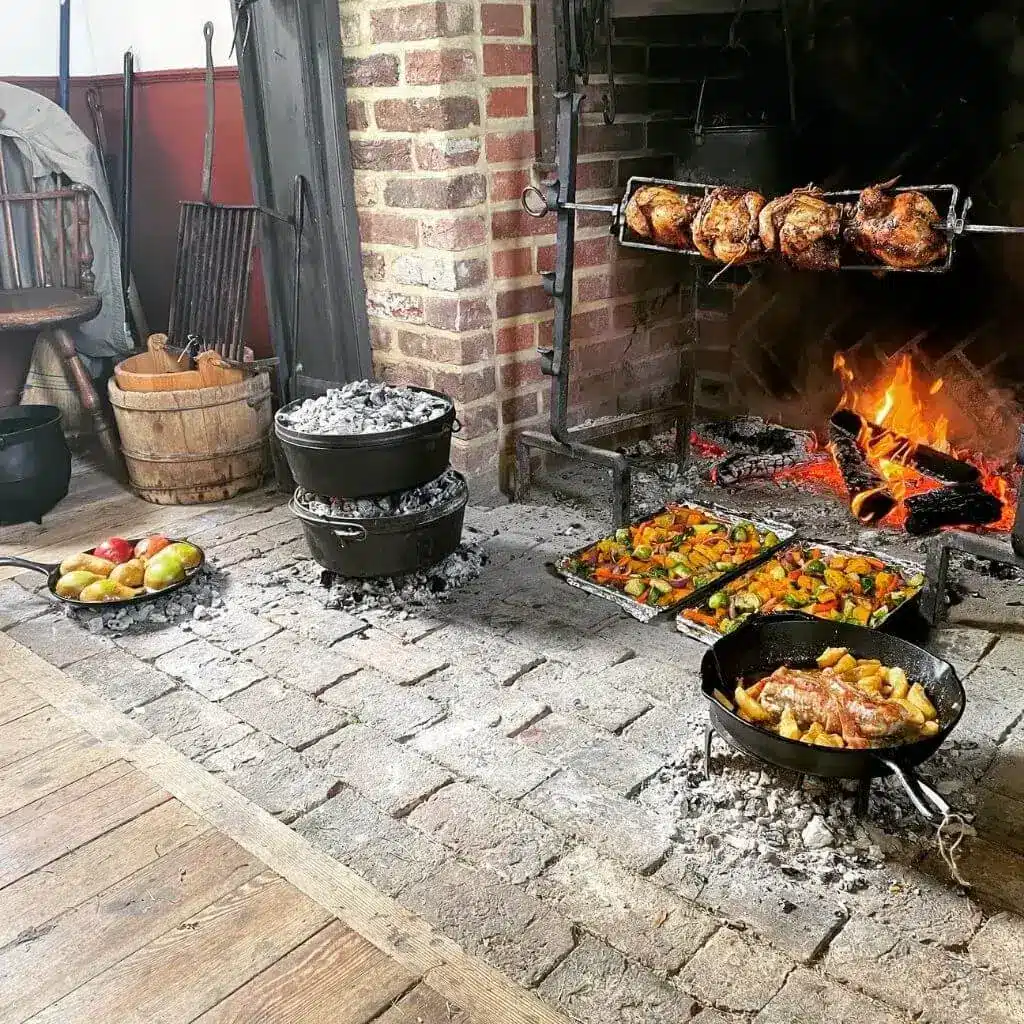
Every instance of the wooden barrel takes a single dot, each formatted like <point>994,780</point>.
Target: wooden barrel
<point>192,447</point>
<point>47,383</point>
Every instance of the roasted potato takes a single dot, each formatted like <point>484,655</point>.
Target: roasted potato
<point>88,563</point>
<point>898,682</point>
<point>917,697</point>
<point>831,655</point>
<point>788,727</point>
<point>749,708</point>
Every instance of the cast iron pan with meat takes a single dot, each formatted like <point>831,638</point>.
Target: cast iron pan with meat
<point>766,642</point>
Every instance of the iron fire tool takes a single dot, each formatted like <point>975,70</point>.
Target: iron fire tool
<point>213,265</point>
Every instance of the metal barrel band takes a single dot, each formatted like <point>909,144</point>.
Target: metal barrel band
<point>191,456</point>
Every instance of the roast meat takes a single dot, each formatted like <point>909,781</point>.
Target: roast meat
<point>803,228</point>
<point>897,228</point>
<point>726,228</point>
<point>662,215</point>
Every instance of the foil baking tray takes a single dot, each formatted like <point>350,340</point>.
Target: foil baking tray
<point>644,613</point>
<point>706,635</point>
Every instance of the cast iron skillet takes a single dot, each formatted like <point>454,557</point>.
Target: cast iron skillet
<point>53,574</point>
<point>764,643</point>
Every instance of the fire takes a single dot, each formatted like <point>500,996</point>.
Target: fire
<point>898,420</point>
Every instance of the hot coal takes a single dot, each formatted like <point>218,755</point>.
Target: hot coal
<point>751,434</point>
<point>959,505</point>
<point>874,500</point>
<point>740,467</point>
<point>414,590</point>
<point>433,494</point>
<point>363,407</point>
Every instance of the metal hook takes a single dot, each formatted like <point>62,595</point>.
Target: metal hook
<point>241,13</point>
<point>608,99</point>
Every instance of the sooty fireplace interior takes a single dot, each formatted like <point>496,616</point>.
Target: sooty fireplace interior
<point>873,315</point>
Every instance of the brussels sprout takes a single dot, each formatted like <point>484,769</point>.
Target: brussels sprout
<point>622,535</point>
<point>717,600</point>
<point>642,552</point>
<point>815,567</point>
<point>635,587</point>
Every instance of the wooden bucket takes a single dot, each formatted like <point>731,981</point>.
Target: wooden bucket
<point>47,383</point>
<point>159,369</point>
<point>195,446</point>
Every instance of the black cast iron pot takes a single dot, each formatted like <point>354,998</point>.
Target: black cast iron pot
<point>35,463</point>
<point>361,465</point>
<point>764,643</point>
<point>386,545</point>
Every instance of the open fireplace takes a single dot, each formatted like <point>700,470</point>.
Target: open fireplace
<point>895,385</point>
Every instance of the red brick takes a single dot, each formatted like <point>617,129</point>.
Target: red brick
<point>448,193</point>
<point>517,338</point>
<point>515,376</point>
<point>427,114</point>
<point>667,336</point>
<point>504,59</point>
<point>509,148</point>
<point>380,337</point>
<point>519,224</point>
<point>379,69</point>
<point>605,138</point>
<point>521,301</point>
<point>355,115</point>
<point>507,101</point>
<point>513,263</point>
<point>592,288</point>
<point>502,19</point>
<point>387,229</point>
<point>410,374</point>
<point>590,252</point>
<point>478,420</point>
<point>455,349</point>
<point>434,67</point>
<point>584,327</point>
<point>447,153</point>
<point>438,272</point>
<point>381,154</point>
<point>454,233</point>
<point>465,385</point>
<point>421,21</point>
<point>374,266</point>
<point>595,174</point>
<point>522,407</point>
<point>508,185</point>
<point>452,314</point>
<point>395,306</point>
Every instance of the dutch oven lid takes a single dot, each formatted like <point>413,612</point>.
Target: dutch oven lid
<point>20,419</point>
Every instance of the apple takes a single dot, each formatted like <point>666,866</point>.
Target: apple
<point>151,545</point>
<point>116,550</point>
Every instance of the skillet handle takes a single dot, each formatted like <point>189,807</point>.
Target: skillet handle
<point>929,804</point>
<point>24,563</point>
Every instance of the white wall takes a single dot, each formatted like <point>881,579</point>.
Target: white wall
<point>164,34</point>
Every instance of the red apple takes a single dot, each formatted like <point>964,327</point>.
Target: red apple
<point>116,550</point>
<point>151,545</point>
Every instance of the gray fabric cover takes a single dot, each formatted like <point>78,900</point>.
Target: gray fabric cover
<point>40,140</point>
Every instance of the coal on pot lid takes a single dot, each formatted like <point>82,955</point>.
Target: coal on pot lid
<point>363,407</point>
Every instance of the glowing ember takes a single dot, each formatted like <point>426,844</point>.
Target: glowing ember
<point>898,420</point>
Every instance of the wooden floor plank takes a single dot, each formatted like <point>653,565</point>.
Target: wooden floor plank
<point>37,842</point>
<point>63,797</point>
<point>17,700</point>
<point>422,1006</point>
<point>40,774</point>
<point>104,930</point>
<point>336,977</point>
<point>186,970</point>
<point>27,905</point>
<point>32,732</point>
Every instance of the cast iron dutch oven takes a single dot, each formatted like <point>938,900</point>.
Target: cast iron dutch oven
<point>53,574</point>
<point>766,642</point>
<point>35,463</point>
<point>361,465</point>
<point>385,545</point>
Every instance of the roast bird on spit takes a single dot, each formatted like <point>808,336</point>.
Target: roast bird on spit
<point>663,215</point>
<point>896,228</point>
<point>726,229</point>
<point>803,228</point>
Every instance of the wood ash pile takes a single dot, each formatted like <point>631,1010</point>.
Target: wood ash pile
<point>433,494</point>
<point>363,407</point>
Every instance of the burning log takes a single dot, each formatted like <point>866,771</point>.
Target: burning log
<point>870,498</point>
<point>958,505</point>
<point>926,460</point>
<point>737,468</point>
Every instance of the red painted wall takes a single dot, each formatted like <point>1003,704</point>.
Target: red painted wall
<point>170,126</point>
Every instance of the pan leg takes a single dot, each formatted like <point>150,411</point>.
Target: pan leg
<point>863,798</point>
<point>709,735</point>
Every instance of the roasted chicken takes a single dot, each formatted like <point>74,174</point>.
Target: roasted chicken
<point>726,228</point>
<point>897,228</point>
<point>803,228</point>
<point>662,215</point>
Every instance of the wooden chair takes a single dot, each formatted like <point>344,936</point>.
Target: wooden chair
<point>47,284</point>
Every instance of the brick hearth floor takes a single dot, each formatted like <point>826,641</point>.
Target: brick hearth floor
<point>493,764</point>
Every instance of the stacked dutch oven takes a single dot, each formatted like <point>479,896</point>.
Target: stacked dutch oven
<point>376,495</point>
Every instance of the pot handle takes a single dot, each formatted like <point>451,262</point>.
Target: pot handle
<point>350,532</point>
<point>698,120</point>
<point>24,563</point>
<point>929,804</point>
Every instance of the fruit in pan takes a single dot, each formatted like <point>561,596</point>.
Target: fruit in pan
<point>116,550</point>
<point>148,547</point>
<point>163,571</point>
<point>129,574</point>
<point>90,563</point>
<point>105,590</point>
<point>71,584</point>
<point>188,554</point>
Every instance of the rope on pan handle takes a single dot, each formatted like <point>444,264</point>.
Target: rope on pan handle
<point>952,831</point>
